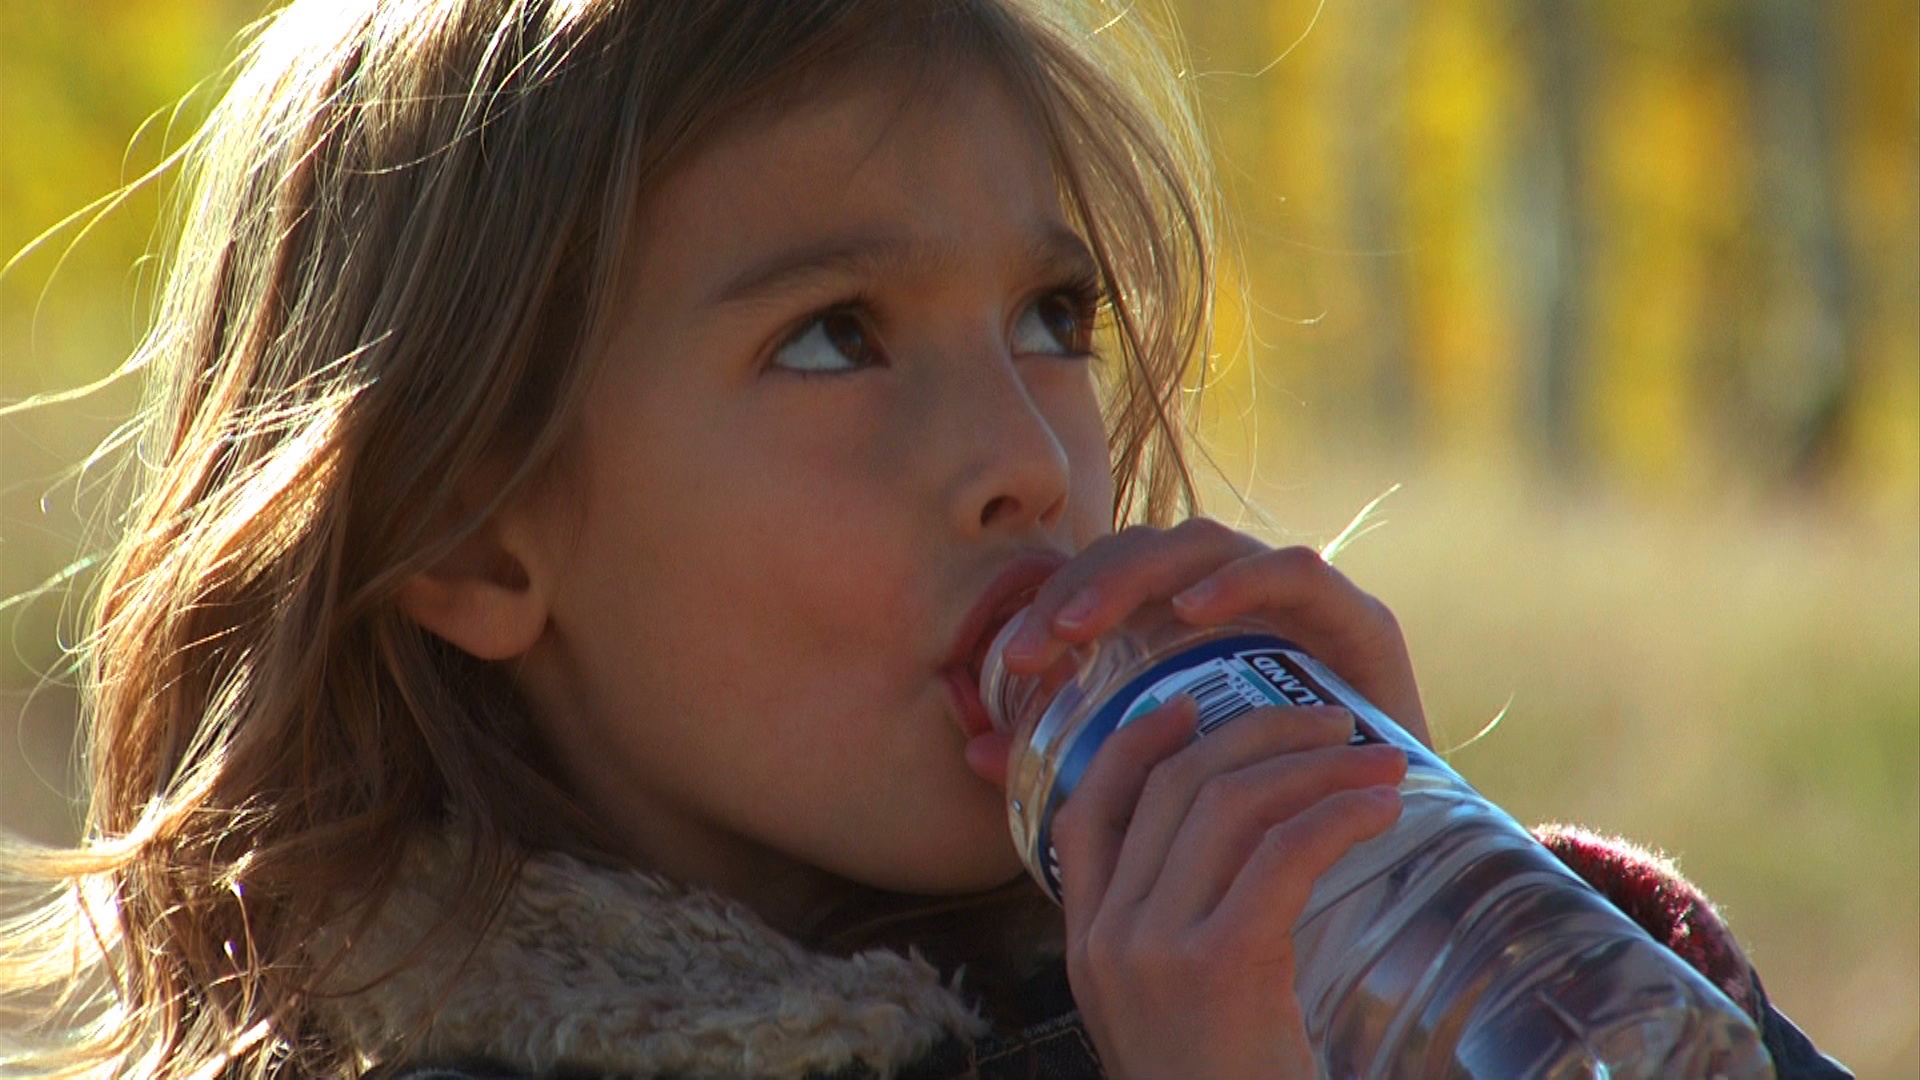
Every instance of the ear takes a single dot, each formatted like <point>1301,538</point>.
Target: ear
<point>482,597</point>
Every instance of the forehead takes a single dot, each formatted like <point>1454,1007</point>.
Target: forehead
<point>856,155</point>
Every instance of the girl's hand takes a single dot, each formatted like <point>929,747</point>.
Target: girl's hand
<point>1212,574</point>
<point>1187,862</point>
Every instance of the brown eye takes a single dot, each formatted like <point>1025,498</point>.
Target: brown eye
<point>1057,324</point>
<point>834,341</point>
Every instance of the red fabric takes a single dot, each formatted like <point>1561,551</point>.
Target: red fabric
<point>1649,888</point>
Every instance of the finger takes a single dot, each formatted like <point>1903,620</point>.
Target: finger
<point>1148,570</point>
<point>1259,911</point>
<point>1324,612</point>
<point>1168,796</point>
<point>1233,813</point>
<point>987,755</point>
<point>1036,645</point>
<point>1089,830</point>
<point>1111,580</point>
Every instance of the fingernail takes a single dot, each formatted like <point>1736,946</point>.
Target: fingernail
<point>1195,595</point>
<point>1077,611</point>
<point>1025,643</point>
<point>1386,795</point>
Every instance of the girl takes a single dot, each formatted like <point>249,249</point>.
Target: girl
<point>591,440</point>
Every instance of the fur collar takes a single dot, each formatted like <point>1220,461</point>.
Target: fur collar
<point>622,971</point>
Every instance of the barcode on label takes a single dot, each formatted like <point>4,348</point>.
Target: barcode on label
<point>1221,696</point>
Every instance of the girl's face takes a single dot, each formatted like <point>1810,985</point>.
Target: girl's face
<point>848,388</point>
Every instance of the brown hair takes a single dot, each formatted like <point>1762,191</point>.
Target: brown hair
<point>394,242</point>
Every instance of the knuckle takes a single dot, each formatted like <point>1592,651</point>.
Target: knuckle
<point>1279,719</point>
<point>1204,529</point>
<point>1083,970</point>
<point>1104,949</point>
<point>1334,719</point>
<point>1168,778</point>
<point>1383,616</point>
<point>1220,795</point>
<point>1061,587</point>
<point>1281,840</point>
<point>1301,560</point>
<point>1311,731</point>
<point>1158,956</point>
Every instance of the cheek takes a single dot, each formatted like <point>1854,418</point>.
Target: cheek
<point>815,572</point>
<point>1084,437</point>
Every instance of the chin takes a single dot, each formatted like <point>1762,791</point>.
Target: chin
<point>961,871</point>
<point>950,865</point>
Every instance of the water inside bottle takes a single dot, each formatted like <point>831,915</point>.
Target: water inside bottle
<point>1460,948</point>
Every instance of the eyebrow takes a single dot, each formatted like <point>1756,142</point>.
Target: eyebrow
<point>1055,249</point>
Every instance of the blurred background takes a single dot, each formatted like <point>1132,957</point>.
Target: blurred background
<point>1620,301</point>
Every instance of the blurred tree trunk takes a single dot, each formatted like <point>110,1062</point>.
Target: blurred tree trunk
<point>1797,373</point>
<point>1371,134</point>
<point>1549,224</point>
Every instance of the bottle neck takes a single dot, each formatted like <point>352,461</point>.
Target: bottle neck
<point>1008,697</point>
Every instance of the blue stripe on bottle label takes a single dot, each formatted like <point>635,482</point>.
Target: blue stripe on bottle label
<point>1226,677</point>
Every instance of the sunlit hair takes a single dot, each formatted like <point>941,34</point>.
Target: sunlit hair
<point>395,240</point>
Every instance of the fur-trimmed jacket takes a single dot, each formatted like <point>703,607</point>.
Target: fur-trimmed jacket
<point>586,971</point>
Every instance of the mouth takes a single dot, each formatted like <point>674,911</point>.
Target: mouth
<point>977,660</point>
<point>964,679</point>
<point>1013,589</point>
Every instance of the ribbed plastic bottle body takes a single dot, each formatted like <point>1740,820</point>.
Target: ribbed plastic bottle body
<point>1454,945</point>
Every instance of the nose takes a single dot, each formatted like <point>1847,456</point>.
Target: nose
<point>1015,474</point>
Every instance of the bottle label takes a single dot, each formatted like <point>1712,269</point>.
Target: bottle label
<point>1226,678</point>
<point>1226,686</point>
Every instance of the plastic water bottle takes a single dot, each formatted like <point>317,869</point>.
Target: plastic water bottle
<point>1454,945</point>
